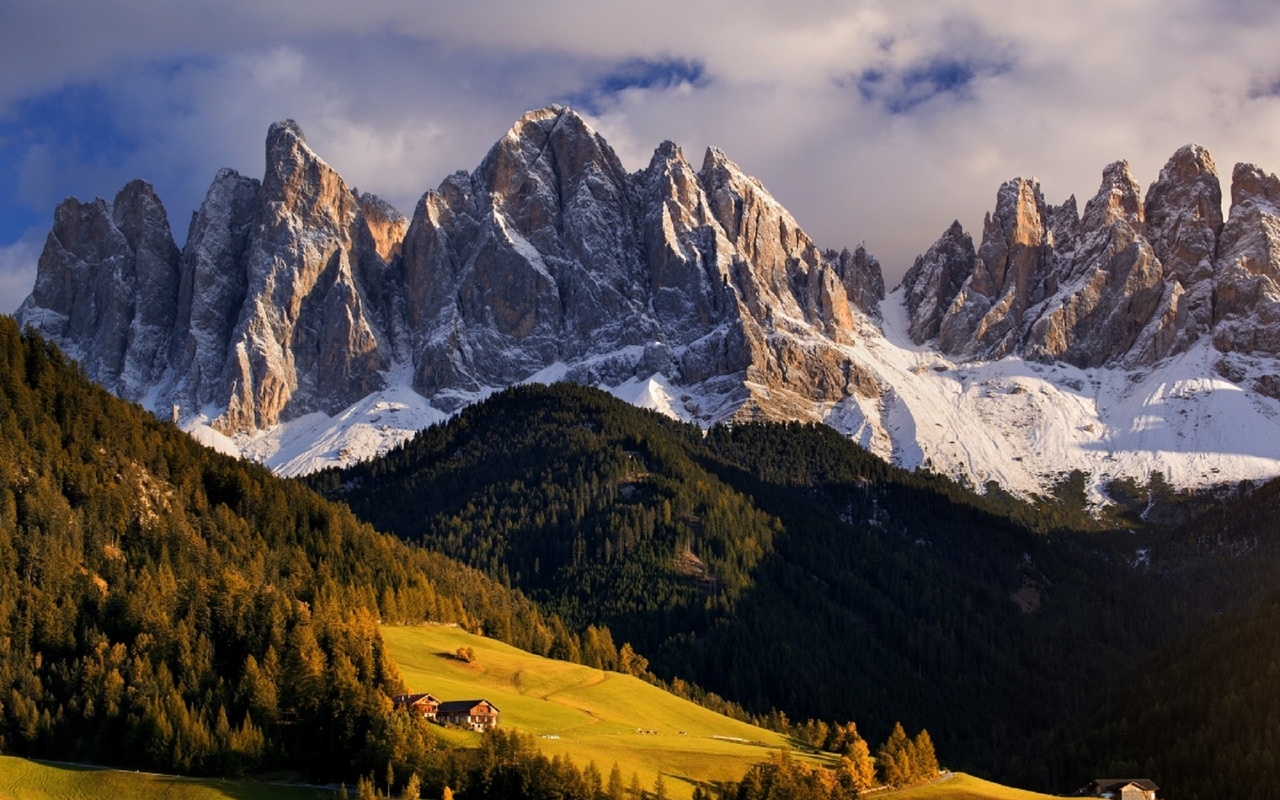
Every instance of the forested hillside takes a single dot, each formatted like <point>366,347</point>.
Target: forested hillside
<point>1204,713</point>
<point>168,608</point>
<point>165,607</point>
<point>784,567</point>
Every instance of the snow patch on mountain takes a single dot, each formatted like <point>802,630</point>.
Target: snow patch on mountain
<point>655,393</point>
<point>1026,424</point>
<point>1023,424</point>
<point>364,430</point>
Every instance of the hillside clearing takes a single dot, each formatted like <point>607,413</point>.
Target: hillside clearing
<point>584,713</point>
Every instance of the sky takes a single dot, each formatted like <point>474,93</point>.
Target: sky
<point>872,121</point>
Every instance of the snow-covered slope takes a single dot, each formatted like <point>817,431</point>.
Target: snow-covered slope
<point>1024,424</point>
<point>1020,423</point>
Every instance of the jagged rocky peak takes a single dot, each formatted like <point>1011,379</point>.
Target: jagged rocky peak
<point>687,279</point>
<point>533,258</point>
<point>107,285</point>
<point>297,293</point>
<point>1251,185</point>
<point>212,290</point>
<point>862,277</point>
<point>672,180</point>
<point>935,279</point>
<point>387,226</point>
<point>1129,281</point>
<point>309,337</point>
<point>1013,239</point>
<point>300,187</point>
<point>1247,286</point>
<point>550,160</point>
<point>777,270</point>
<point>1183,223</point>
<point>748,215</point>
<point>1009,275</point>
<point>1119,199</point>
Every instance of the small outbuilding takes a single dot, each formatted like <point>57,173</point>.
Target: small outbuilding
<point>1123,789</point>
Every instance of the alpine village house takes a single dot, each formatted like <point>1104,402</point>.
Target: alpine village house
<point>476,715</point>
<point>1122,789</point>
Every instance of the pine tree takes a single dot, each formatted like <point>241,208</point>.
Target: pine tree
<point>924,758</point>
<point>893,759</point>
<point>614,790</point>
<point>412,788</point>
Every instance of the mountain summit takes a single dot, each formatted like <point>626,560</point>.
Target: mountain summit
<point>1131,282</point>
<point>305,324</point>
<point>294,295</point>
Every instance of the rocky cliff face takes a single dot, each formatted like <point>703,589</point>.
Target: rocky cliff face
<point>106,287</point>
<point>1247,290</point>
<point>550,253</point>
<point>294,294</point>
<point>1130,282</point>
<point>686,287</point>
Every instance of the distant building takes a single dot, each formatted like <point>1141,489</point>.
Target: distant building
<point>423,705</point>
<point>478,715</point>
<point>1123,789</point>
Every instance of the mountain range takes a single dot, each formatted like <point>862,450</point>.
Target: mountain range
<point>304,323</point>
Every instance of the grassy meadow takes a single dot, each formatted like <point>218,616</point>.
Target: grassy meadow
<point>587,714</point>
<point>961,787</point>
<point>21,779</point>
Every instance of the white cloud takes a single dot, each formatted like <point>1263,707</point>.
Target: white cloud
<point>18,270</point>
<point>397,94</point>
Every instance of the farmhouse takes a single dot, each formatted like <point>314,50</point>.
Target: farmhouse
<point>423,705</point>
<point>1123,789</point>
<point>478,715</point>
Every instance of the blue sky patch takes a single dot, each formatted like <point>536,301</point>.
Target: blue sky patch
<point>54,146</point>
<point>901,91</point>
<point>638,74</point>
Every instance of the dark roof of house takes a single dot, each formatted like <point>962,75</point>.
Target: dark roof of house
<point>462,706</point>
<point>410,699</point>
<point>1104,784</point>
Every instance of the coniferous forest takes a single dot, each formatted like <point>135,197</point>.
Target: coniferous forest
<point>165,607</point>
<point>790,571</point>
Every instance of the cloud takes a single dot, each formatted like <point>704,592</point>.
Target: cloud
<point>880,121</point>
<point>18,270</point>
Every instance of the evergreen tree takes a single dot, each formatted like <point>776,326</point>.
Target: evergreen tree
<point>924,759</point>
<point>893,759</point>
<point>614,790</point>
<point>412,788</point>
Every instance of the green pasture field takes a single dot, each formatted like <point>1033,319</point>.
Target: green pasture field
<point>961,787</point>
<point>587,714</point>
<point>22,779</point>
